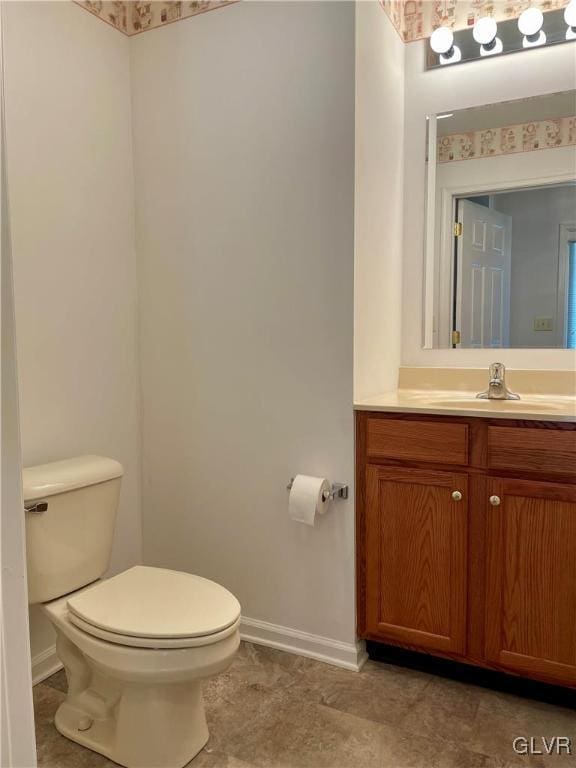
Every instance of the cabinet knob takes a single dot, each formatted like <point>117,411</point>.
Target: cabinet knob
<point>495,501</point>
<point>456,495</point>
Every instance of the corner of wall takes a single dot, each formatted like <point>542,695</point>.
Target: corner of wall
<point>379,182</point>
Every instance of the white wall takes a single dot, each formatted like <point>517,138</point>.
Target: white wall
<point>378,201</point>
<point>71,197</point>
<point>447,89</point>
<point>536,218</point>
<point>244,157</point>
<point>17,742</point>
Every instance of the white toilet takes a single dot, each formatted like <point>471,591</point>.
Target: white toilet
<point>136,646</point>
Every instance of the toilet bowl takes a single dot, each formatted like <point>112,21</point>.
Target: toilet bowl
<point>135,647</point>
<point>135,696</point>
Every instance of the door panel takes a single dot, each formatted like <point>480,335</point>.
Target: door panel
<point>416,555</point>
<point>531,578</point>
<point>484,263</point>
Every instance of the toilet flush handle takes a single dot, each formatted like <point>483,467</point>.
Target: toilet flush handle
<point>37,508</point>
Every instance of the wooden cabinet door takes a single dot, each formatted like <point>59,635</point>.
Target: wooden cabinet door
<point>531,578</point>
<point>416,545</point>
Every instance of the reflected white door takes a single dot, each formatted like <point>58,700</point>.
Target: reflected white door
<point>483,258</point>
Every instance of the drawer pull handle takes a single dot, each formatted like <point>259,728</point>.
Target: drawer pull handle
<point>495,501</point>
<point>456,495</point>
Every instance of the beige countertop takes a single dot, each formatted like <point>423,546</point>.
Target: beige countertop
<point>546,395</point>
<point>452,403</point>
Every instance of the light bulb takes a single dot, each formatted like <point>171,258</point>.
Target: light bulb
<point>570,14</point>
<point>570,19</point>
<point>442,40</point>
<point>442,43</point>
<point>530,24</point>
<point>484,32</point>
<point>530,21</point>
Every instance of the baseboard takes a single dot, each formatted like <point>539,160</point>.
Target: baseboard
<point>45,664</point>
<point>347,655</point>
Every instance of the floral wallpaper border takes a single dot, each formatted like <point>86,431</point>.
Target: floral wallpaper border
<point>417,19</point>
<point>491,142</point>
<point>134,16</point>
<point>413,19</point>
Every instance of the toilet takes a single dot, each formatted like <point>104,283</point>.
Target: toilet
<point>136,646</point>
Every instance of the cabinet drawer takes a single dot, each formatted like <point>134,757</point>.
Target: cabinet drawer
<point>417,441</point>
<point>532,450</point>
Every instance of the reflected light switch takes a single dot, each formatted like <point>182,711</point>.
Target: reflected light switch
<point>543,324</point>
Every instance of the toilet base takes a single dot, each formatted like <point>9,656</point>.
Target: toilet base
<point>140,707</point>
<point>138,724</point>
<point>147,726</point>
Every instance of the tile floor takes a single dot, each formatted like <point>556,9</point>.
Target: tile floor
<point>276,710</point>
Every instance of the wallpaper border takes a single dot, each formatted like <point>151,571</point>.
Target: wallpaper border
<point>552,133</point>
<point>132,17</point>
<point>412,19</point>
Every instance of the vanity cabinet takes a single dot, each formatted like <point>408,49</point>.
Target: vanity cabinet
<point>466,536</point>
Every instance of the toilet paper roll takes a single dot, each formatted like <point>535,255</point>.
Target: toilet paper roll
<point>306,498</point>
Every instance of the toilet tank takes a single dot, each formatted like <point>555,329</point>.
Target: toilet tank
<point>70,526</point>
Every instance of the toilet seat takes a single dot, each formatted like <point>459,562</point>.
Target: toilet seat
<point>152,642</point>
<point>155,608</point>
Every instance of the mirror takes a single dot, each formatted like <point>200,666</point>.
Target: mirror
<point>501,225</point>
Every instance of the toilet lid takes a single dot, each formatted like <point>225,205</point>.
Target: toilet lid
<point>156,603</point>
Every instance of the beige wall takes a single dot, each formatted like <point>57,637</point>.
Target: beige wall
<point>17,743</point>
<point>71,197</point>
<point>486,81</point>
<point>378,201</point>
<point>244,157</point>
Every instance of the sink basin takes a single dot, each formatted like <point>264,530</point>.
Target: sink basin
<point>528,404</point>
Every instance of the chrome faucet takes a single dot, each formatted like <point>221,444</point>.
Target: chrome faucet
<point>497,389</point>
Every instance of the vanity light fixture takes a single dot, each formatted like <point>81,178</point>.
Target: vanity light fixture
<point>442,43</point>
<point>530,24</point>
<point>533,28</point>
<point>484,32</point>
<point>570,19</point>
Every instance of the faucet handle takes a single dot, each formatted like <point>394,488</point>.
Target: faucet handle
<point>497,370</point>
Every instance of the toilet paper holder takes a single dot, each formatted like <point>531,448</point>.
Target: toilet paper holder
<point>338,491</point>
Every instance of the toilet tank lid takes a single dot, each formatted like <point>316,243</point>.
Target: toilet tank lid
<point>67,475</point>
